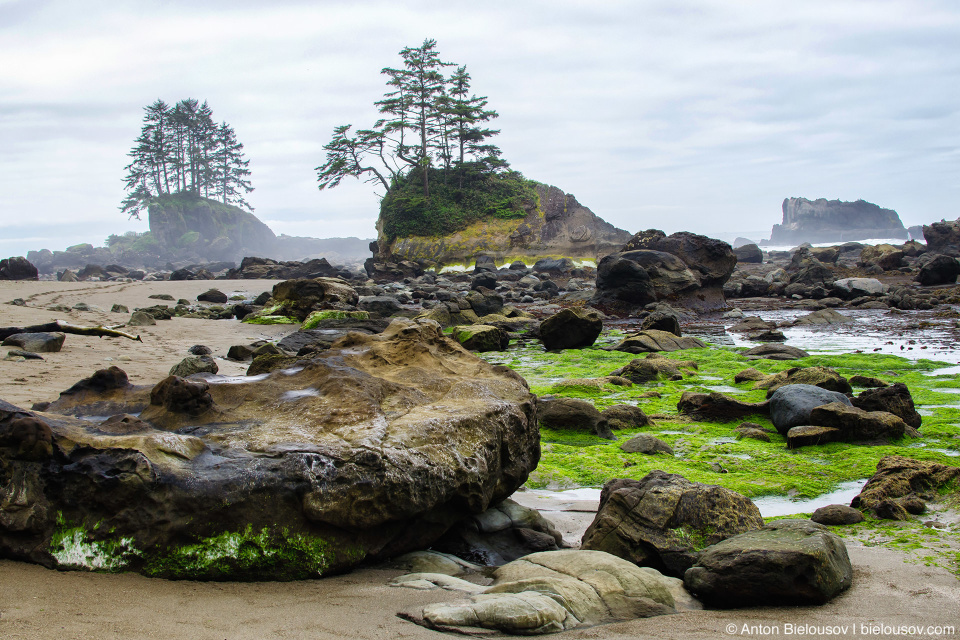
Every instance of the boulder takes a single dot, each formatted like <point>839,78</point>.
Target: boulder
<point>885,256</point>
<point>868,381</point>
<point>894,398</point>
<point>790,405</point>
<point>857,425</point>
<point>482,337</point>
<point>298,298</point>
<point>141,319</point>
<point>939,270</point>
<point>943,237</point>
<point>573,414</point>
<point>684,268</point>
<point>809,435</point>
<point>383,306</point>
<point>717,406</point>
<point>240,353</point>
<point>787,563</point>
<point>625,416</point>
<point>748,253</point>
<point>265,268</point>
<point>899,479</point>
<point>753,323</point>
<point>213,295</point>
<point>485,264</point>
<point>18,268</point>
<point>836,515</point>
<point>309,471</point>
<point>646,443</point>
<point>194,364</point>
<point>774,352</point>
<point>654,367</point>
<point>665,521</point>
<point>484,301</point>
<point>661,321</point>
<point>653,340</point>
<point>553,265</point>
<point>856,287</point>
<point>552,591</point>
<point>571,328</point>
<point>43,342</point>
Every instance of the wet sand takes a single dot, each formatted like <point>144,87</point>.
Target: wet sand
<point>37,603</point>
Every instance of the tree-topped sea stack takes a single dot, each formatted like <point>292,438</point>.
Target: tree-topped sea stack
<point>448,195</point>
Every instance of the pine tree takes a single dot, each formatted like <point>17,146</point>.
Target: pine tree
<point>182,149</point>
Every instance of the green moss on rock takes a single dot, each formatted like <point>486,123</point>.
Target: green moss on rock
<point>316,317</point>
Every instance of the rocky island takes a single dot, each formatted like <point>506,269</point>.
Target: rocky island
<point>822,220</point>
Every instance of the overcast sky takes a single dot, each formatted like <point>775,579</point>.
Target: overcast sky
<point>698,115</point>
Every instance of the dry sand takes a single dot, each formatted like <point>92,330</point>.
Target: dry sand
<point>37,603</point>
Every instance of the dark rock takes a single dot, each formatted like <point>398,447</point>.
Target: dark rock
<point>213,295</point>
<point>787,562</point>
<point>654,367</point>
<point>482,337</point>
<point>625,416</point>
<point>899,477</point>
<point>652,341</point>
<point>836,515</point>
<point>775,352</point>
<point>486,280</point>
<point>483,301</point>
<point>178,396</point>
<point>660,321</point>
<point>940,269</point>
<point>302,296</point>
<point>748,253</point>
<point>28,438</point>
<point>943,237</point>
<point>320,339</point>
<point>383,306</point>
<point>240,353</point>
<point>501,534</point>
<point>857,425</point>
<point>571,328</point>
<point>200,350</point>
<point>20,353</point>
<point>194,364</point>
<point>665,521</point>
<point>767,336</point>
<point>867,381</point>
<point>119,308</point>
<point>646,443</point>
<point>267,269</point>
<point>790,405</point>
<point>553,265</point>
<point>885,256</point>
<point>484,264</point>
<point>572,414</point>
<point>809,435</point>
<point>36,342</point>
<point>18,268</point>
<point>895,399</point>
<point>717,406</point>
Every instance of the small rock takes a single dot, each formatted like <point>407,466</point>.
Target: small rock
<point>36,342</point>
<point>141,319</point>
<point>194,364</point>
<point>213,295</point>
<point>837,514</point>
<point>200,350</point>
<point>119,308</point>
<point>646,443</point>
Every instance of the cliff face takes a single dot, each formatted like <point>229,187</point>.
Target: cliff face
<point>834,221</point>
<point>188,225</point>
<point>556,225</point>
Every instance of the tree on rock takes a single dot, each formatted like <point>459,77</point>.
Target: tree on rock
<point>181,149</point>
<point>431,123</point>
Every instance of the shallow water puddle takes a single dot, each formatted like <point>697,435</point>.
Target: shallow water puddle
<point>771,506</point>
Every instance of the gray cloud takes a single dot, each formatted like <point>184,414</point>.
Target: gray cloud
<point>701,115</point>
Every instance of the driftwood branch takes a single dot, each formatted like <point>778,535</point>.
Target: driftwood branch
<point>63,327</point>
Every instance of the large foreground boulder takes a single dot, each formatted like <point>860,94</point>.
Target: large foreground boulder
<point>18,268</point>
<point>787,562</point>
<point>557,590</point>
<point>664,520</point>
<point>373,448</point>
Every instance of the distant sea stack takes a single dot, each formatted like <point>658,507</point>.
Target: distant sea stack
<point>834,221</point>
<point>555,225</point>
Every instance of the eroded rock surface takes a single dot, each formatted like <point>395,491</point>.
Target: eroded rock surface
<point>372,449</point>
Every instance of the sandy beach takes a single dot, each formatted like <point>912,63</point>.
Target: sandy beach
<point>890,589</point>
